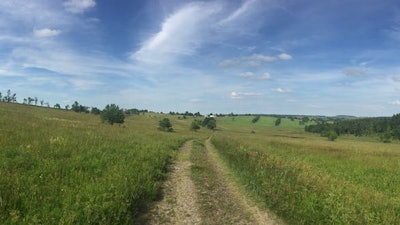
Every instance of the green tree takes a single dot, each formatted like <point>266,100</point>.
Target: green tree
<point>57,106</point>
<point>386,137</point>
<point>165,125</point>
<point>210,123</point>
<point>75,107</point>
<point>95,111</point>
<point>112,114</point>
<point>10,97</point>
<point>30,100</point>
<point>332,135</point>
<point>278,122</point>
<point>255,119</point>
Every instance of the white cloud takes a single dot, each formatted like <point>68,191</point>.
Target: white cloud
<point>254,60</point>
<point>239,95</point>
<point>244,9</point>
<point>282,90</point>
<point>4,72</point>
<point>181,34</point>
<point>265,76</point>
<point>248,75</point>
<point>46,32</point>
<point>284,56</point>
<point>82,84</point>
<point>78,6</point>
<point>252,76</point>
<point>68,62</point>
<point>396,102</point>
<point>262,58</point>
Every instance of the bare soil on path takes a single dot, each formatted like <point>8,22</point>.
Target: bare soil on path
<point>200,190</point>
<point>179,202</point>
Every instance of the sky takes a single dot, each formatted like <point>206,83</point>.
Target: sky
<point>302,57</point>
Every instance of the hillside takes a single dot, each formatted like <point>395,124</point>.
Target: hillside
<point>59,166</point>
<point>62,166</point>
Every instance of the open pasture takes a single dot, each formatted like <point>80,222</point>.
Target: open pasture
<point>307,179</point>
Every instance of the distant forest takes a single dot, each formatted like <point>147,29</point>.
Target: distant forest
<point>386,127</point>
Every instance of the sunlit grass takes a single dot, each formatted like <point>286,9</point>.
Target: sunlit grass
<point>62,167</point>
<point>264,121</point>
<point>307,179</point>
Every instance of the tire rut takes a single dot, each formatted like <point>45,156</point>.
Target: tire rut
<point>257,216</point>
<point>179,202</point>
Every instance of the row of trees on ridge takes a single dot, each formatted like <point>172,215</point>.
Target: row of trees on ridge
<point>386,127</point>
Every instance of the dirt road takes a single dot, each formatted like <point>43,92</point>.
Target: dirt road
<point>200,190</point>
<point>179,203</point>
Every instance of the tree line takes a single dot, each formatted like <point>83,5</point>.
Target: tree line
<point>112,113</point>
<point>386,127</point>
<point>10,98</point>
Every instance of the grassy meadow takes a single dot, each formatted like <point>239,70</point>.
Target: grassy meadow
<point>62,167</point>
<point>307,179</point>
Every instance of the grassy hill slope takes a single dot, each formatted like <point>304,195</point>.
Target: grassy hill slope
<point>59,166</point>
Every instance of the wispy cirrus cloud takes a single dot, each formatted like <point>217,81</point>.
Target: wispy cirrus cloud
<point>242,95</point>
<point>181,34</point>
<point>254,60</point>
<point>198,24</point>
<point>252,76</point>
<point>246,8</point>
<point>79,6</point>
<point>281,90</point>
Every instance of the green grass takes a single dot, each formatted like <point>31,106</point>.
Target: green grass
<point>62,167</point>
<point>264,121</point>
<point>308,180</point>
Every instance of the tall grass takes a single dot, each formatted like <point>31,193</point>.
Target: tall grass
<point>307,180</point>
<point>61,167</point>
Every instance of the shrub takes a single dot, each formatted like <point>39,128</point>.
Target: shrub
<point>278,122</point>
<point>332,135</point>
<point>112,114</point>
<point>194,125</point>
<point>255,119</point>
<point>165,125</point>
<point>210,123</point>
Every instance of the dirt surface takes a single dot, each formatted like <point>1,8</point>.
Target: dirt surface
<point>179,202</point>
<point>215,200</point>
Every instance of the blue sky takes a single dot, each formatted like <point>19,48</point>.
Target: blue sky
<point>248,56</point>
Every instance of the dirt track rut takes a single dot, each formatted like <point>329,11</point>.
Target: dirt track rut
<point>180,203</point>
